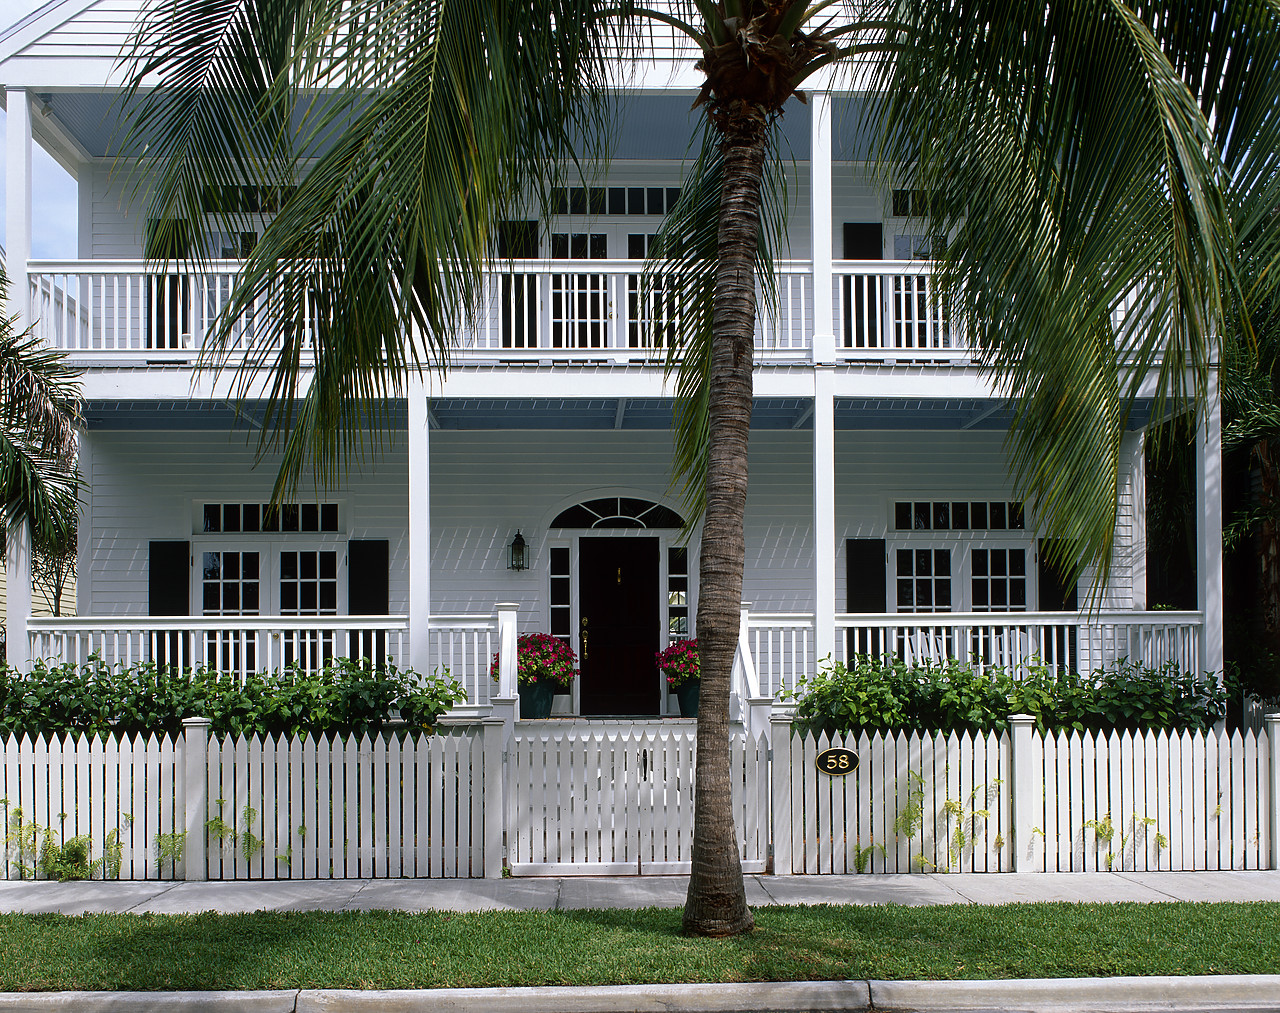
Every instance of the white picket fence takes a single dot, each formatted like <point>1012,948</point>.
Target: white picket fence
<point>899,810</point>
<point>620,801</point>
<point>254,808</point>
<point>1060,803</point>
<point>586,798</point>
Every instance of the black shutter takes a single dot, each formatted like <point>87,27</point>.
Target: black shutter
<point>863,241</point>
<point>169,594</point>
<point>169,579</point>
<point>866,590</point>
<point>861,296</point>
<point>1056,592</point>
<point>369,594</point>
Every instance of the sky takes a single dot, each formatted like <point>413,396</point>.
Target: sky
<point>53,206</point>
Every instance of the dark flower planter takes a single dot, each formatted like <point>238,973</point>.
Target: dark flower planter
<point>687,694</point>
<point>536,699</point>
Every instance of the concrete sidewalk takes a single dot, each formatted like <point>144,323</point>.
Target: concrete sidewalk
<point>551,894</point>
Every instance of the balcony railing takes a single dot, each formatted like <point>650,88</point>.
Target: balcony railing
<point>578,310</point>
<point>463,646</point>
<point>783,648</point>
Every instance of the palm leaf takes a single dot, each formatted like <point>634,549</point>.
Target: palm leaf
<point>1084,196</point>
<point>447,114</point>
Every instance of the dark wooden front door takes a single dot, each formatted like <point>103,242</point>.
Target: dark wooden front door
<point>618,625</point>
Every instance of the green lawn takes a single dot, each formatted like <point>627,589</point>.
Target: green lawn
<point>435,950</point>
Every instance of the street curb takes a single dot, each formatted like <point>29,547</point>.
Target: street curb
<point>1050,995</point>
<point>782,997</point>
<point>1131,994</point>
<point>143,1002</point>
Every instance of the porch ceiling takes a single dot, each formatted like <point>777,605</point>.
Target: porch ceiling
<point>649,126</point>
<point>584,414</point>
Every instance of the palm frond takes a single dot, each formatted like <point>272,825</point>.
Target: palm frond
<point>1083,195</point>
<point>436,116</point>
<point>40,419</point>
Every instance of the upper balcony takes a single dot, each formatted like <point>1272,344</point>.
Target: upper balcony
<point>127,313</point>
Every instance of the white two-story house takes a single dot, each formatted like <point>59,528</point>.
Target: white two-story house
<point>881,512</point>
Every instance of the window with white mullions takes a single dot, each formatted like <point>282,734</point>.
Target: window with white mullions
<point>923,579</point>
<point>580,305</point>
<point>677,592</point>
<point>997,583</point>
<point>230,585</point>
<point>309,587</point>
<point>998,579</point>
<point>651,313</point>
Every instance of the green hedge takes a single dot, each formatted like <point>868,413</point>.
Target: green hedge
<point>885,694</point>
<point>343,697</point>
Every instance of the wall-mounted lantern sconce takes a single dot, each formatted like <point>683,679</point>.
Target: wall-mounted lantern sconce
<point>518,553</point>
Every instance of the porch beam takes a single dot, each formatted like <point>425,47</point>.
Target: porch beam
<point>1209,525</point>
<point>419,525</point>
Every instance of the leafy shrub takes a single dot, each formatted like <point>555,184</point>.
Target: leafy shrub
<point>345,696</point>
<point>885,694</point>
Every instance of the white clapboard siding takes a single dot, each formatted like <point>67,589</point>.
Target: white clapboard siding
<point>617,800</point>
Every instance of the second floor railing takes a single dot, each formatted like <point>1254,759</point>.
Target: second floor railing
<point>579,310</point>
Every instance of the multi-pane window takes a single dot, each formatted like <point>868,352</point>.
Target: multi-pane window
<point>958,515</point>
<point>230,583</point>
<point>561,591</point>
<point>580,307</point>
<point>614,201</point>
<point>309,582</point>
<point>678,592</point>
<point>998,580</point>
<point>308,586</point>
<point>252,518</point>
<point>923,578</point>
<point>651,313</point>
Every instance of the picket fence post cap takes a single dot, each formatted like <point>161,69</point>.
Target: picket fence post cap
<point>1021,719</point>
<point>199,722</point>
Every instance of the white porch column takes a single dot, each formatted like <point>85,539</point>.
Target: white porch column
<point>17,562</point>
<point>1133,464</point>
<point>17,201</point>
<point>824,350</point>
<point>18,251</point>
<point>1209,526</point>
<point>820,226</point>
<point>419,527</point>
<point>824,511</point>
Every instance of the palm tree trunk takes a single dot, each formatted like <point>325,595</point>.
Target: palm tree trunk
<point>717,903</point>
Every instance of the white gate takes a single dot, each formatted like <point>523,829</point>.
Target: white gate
<point>618,801</point>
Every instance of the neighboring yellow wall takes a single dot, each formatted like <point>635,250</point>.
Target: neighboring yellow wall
<point>41,603</point>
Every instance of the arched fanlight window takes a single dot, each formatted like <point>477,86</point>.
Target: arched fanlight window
<point>618,512</point>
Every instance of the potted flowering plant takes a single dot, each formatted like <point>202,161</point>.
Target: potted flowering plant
<point>545,665</point>
<point>679,663</point>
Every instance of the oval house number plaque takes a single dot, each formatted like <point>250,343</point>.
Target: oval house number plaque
<point>837,761</point>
